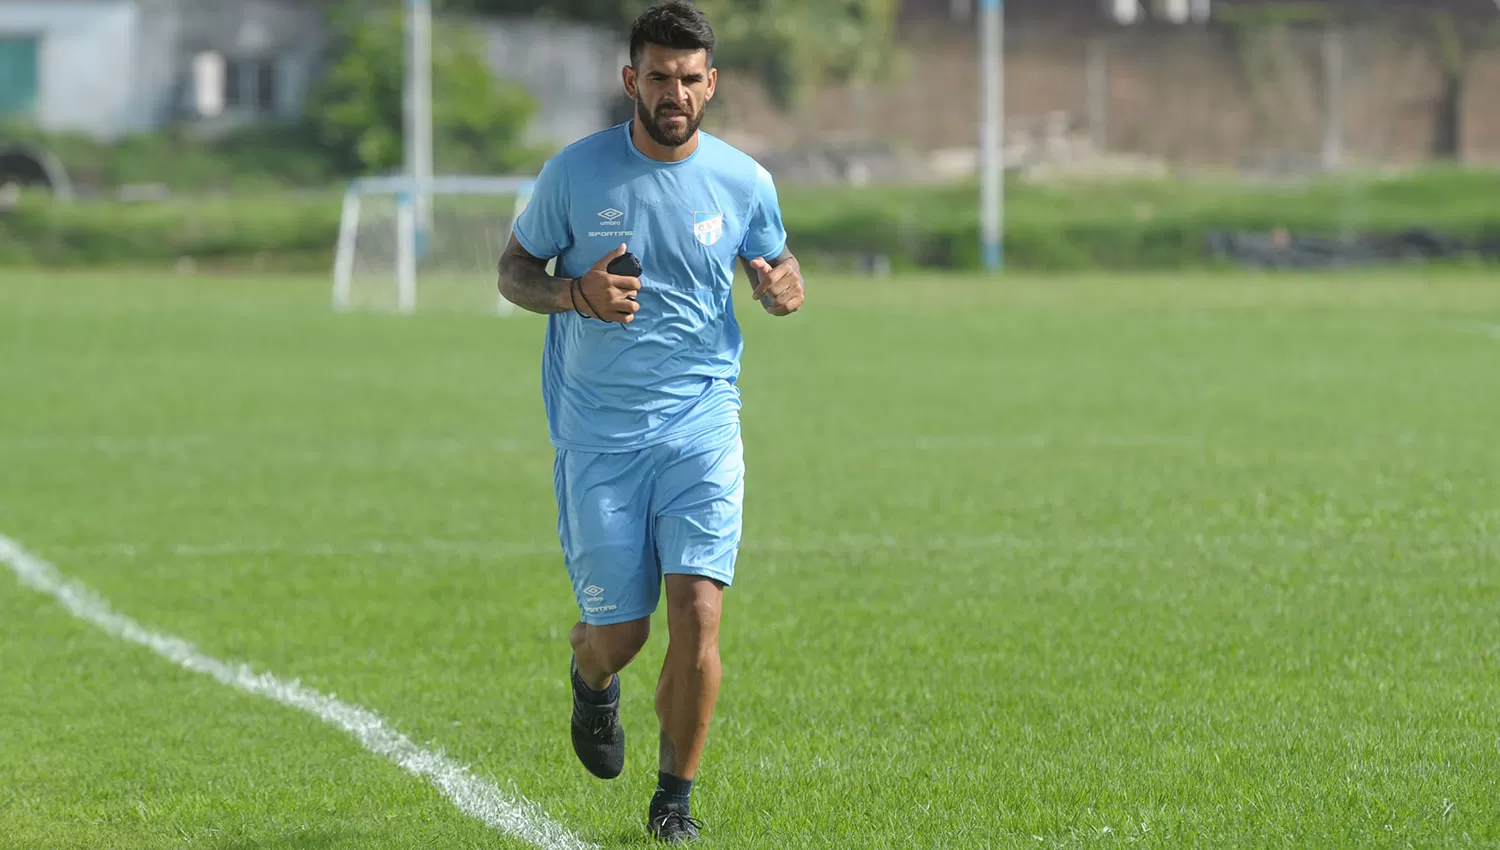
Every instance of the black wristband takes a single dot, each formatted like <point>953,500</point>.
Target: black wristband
<point>573,298</point>
<point>597,314</point>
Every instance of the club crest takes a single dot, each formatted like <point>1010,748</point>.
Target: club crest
<point>708,227</point>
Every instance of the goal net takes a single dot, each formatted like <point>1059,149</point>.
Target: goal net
<point>400,250</point>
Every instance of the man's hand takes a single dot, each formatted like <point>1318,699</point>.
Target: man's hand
<point>780,289</point>
<point>602,295</point>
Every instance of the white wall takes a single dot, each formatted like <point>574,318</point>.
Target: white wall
<point>158,64</point>
<point>573,70</point>
<point>86,50</point>
<point>291,33</point>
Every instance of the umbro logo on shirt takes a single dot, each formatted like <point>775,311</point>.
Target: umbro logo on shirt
<point>614,219</point>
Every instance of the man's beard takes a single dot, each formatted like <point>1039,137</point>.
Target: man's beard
<point>661,132</point>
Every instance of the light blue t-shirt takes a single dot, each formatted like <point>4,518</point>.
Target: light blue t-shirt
<point>673,370</point>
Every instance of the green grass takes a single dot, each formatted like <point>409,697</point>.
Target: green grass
<point>1134,224</point>
<point>1093,562</point>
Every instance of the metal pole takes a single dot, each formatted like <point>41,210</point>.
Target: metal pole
<point>1333,98</point>
<point>419,108</point>
<point>406,252</point>
<point>343,263</point>
<point>992,132</point>
<point>1098,92</point>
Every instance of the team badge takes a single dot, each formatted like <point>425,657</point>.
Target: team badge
<point>708,227</point>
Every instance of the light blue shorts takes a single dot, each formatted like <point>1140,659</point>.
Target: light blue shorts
<point>627,519</point>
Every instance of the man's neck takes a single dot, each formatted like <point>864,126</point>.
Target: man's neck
<point>661,153</point>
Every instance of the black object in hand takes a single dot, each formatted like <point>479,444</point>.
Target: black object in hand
<point>625,265</point>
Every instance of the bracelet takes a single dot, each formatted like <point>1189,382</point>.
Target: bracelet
<point>597,314</point>
<point>573,299</point>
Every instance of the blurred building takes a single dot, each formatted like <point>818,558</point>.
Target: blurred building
<point>572,70</point>
<point>1249,85</point>
<point>112,67</point>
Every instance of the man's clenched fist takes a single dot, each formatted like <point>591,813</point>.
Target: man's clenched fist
<point>780,289</point>
<point>601,295</point>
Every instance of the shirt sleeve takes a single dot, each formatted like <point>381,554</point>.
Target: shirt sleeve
<point>542,228</point>
<point>765,235</point>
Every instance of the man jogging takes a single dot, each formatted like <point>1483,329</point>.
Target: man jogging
<point>639,376</point>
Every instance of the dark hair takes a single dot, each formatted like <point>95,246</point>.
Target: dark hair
<point>676,24</point>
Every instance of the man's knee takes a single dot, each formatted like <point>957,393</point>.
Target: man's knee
<point>615,645</point>
<point>694,606</point>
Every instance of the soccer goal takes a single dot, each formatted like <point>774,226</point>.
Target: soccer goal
<point>399,249</point>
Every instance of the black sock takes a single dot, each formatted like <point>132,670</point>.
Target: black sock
<point>593,697</point>
<point>672,791</point>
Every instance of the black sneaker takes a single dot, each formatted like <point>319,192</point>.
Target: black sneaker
<point>598,737</point>
<point>673,825</point>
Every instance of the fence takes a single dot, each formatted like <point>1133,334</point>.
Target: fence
<point>1263,100</point>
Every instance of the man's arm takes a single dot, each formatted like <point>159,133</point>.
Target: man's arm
<point>525,283</point>
<point>777,282</point>
<point>777,279</point>
<point>754,276</point>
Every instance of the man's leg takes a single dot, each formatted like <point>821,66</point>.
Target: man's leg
<point>602,651</point>
<point>689,685</point>
<point>700,490</point>
<point>599,654</point>
<point>605,530</point>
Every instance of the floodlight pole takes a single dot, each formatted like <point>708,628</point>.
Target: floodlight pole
<point>992,132</point>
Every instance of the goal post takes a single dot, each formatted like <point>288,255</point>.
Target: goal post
<point>389,259</point>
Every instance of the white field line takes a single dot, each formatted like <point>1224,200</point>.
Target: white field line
<point>252,548</point>
<point>1043,441</point>
<point>483,800</point>
<point>270,443</point>
<point>283,445</point>
<point>840,544</point>
<point>1489,329</point>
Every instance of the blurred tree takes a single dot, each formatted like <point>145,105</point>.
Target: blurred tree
<point>790,45</point>
<point>796,45</point>
<point>603,12</point>
<point>1458,46</point>
<point>356,109</point>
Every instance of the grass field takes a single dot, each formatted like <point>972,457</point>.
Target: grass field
<point>1077,562</point>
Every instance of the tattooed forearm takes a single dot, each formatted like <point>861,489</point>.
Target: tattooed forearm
<point>525,283</point>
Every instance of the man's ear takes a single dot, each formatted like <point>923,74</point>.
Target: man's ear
<point>627,76</point>
<point>713,83</point>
